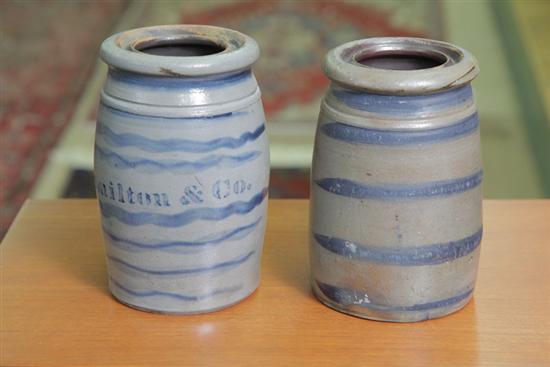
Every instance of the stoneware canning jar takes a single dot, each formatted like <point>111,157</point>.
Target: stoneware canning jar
<point>396,181</point>
<point>181,167</point>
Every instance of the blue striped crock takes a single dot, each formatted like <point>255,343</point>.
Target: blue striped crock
<point>395,210</point>
<point>181,169</point>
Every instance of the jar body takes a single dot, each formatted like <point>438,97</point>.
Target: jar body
<point>181,176</point>
<point>395,209</point>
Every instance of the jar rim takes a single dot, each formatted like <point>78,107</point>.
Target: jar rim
<point>440,65</point>
<point>124,50</point>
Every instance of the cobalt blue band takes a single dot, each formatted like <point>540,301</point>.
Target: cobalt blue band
<point>354,297</point>
<point>401,105</point>
<point>222,265</point>
<point>149,118</point>
<point>181,219</point>
<point>214,239</point>
<point>403,256</point>
<point>352,189</point>
<point>179,297</point>
<point>360,135</point>
<point>176,145</point>
<point>184,167</point>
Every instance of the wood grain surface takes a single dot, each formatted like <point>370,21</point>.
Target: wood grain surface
<point>56,309</point>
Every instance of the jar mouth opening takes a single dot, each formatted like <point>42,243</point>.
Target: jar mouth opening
<point>179,46</point>
<point>400,65</point>
<point>180,50</point>
<point>401,59</point>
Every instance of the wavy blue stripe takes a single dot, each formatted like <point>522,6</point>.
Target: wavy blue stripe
<point>354,297</point>
<point>359,135</point>
<point>149,118</point>
<point>180,297</point>
<point>404,256</point>
<point>170,82</point>
<point>180,219</point>
<point>227,264</point>
<point>352,189</point>
<point>171,145</point>
<point>237,233</point>
<point>403,105</point>
<point>182,167</point>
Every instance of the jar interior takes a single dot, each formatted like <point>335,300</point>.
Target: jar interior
<point>181,47</point>
<point>401,60</point>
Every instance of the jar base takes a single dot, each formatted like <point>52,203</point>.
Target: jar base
<point>391,316</point>
<point>176,313</point>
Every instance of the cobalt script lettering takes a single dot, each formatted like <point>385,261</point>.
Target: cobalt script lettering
<point>192,194</point>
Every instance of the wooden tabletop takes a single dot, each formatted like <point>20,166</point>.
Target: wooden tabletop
<point>55,308</point>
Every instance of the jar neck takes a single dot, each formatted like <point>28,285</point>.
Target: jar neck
<point>399,112</point>
<point>180,91</point>
<point>400,105</point>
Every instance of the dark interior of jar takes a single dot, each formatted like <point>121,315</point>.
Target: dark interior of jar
<point>185,47</point>
<point>401,60</point>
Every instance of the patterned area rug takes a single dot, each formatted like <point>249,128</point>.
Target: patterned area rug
<point>48,49</point>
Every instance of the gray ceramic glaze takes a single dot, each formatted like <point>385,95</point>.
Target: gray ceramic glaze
<point>181,168</point>
<point>396,181</point>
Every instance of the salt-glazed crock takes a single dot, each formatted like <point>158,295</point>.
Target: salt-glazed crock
<point>396,181</point>
<point>181,167</point>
